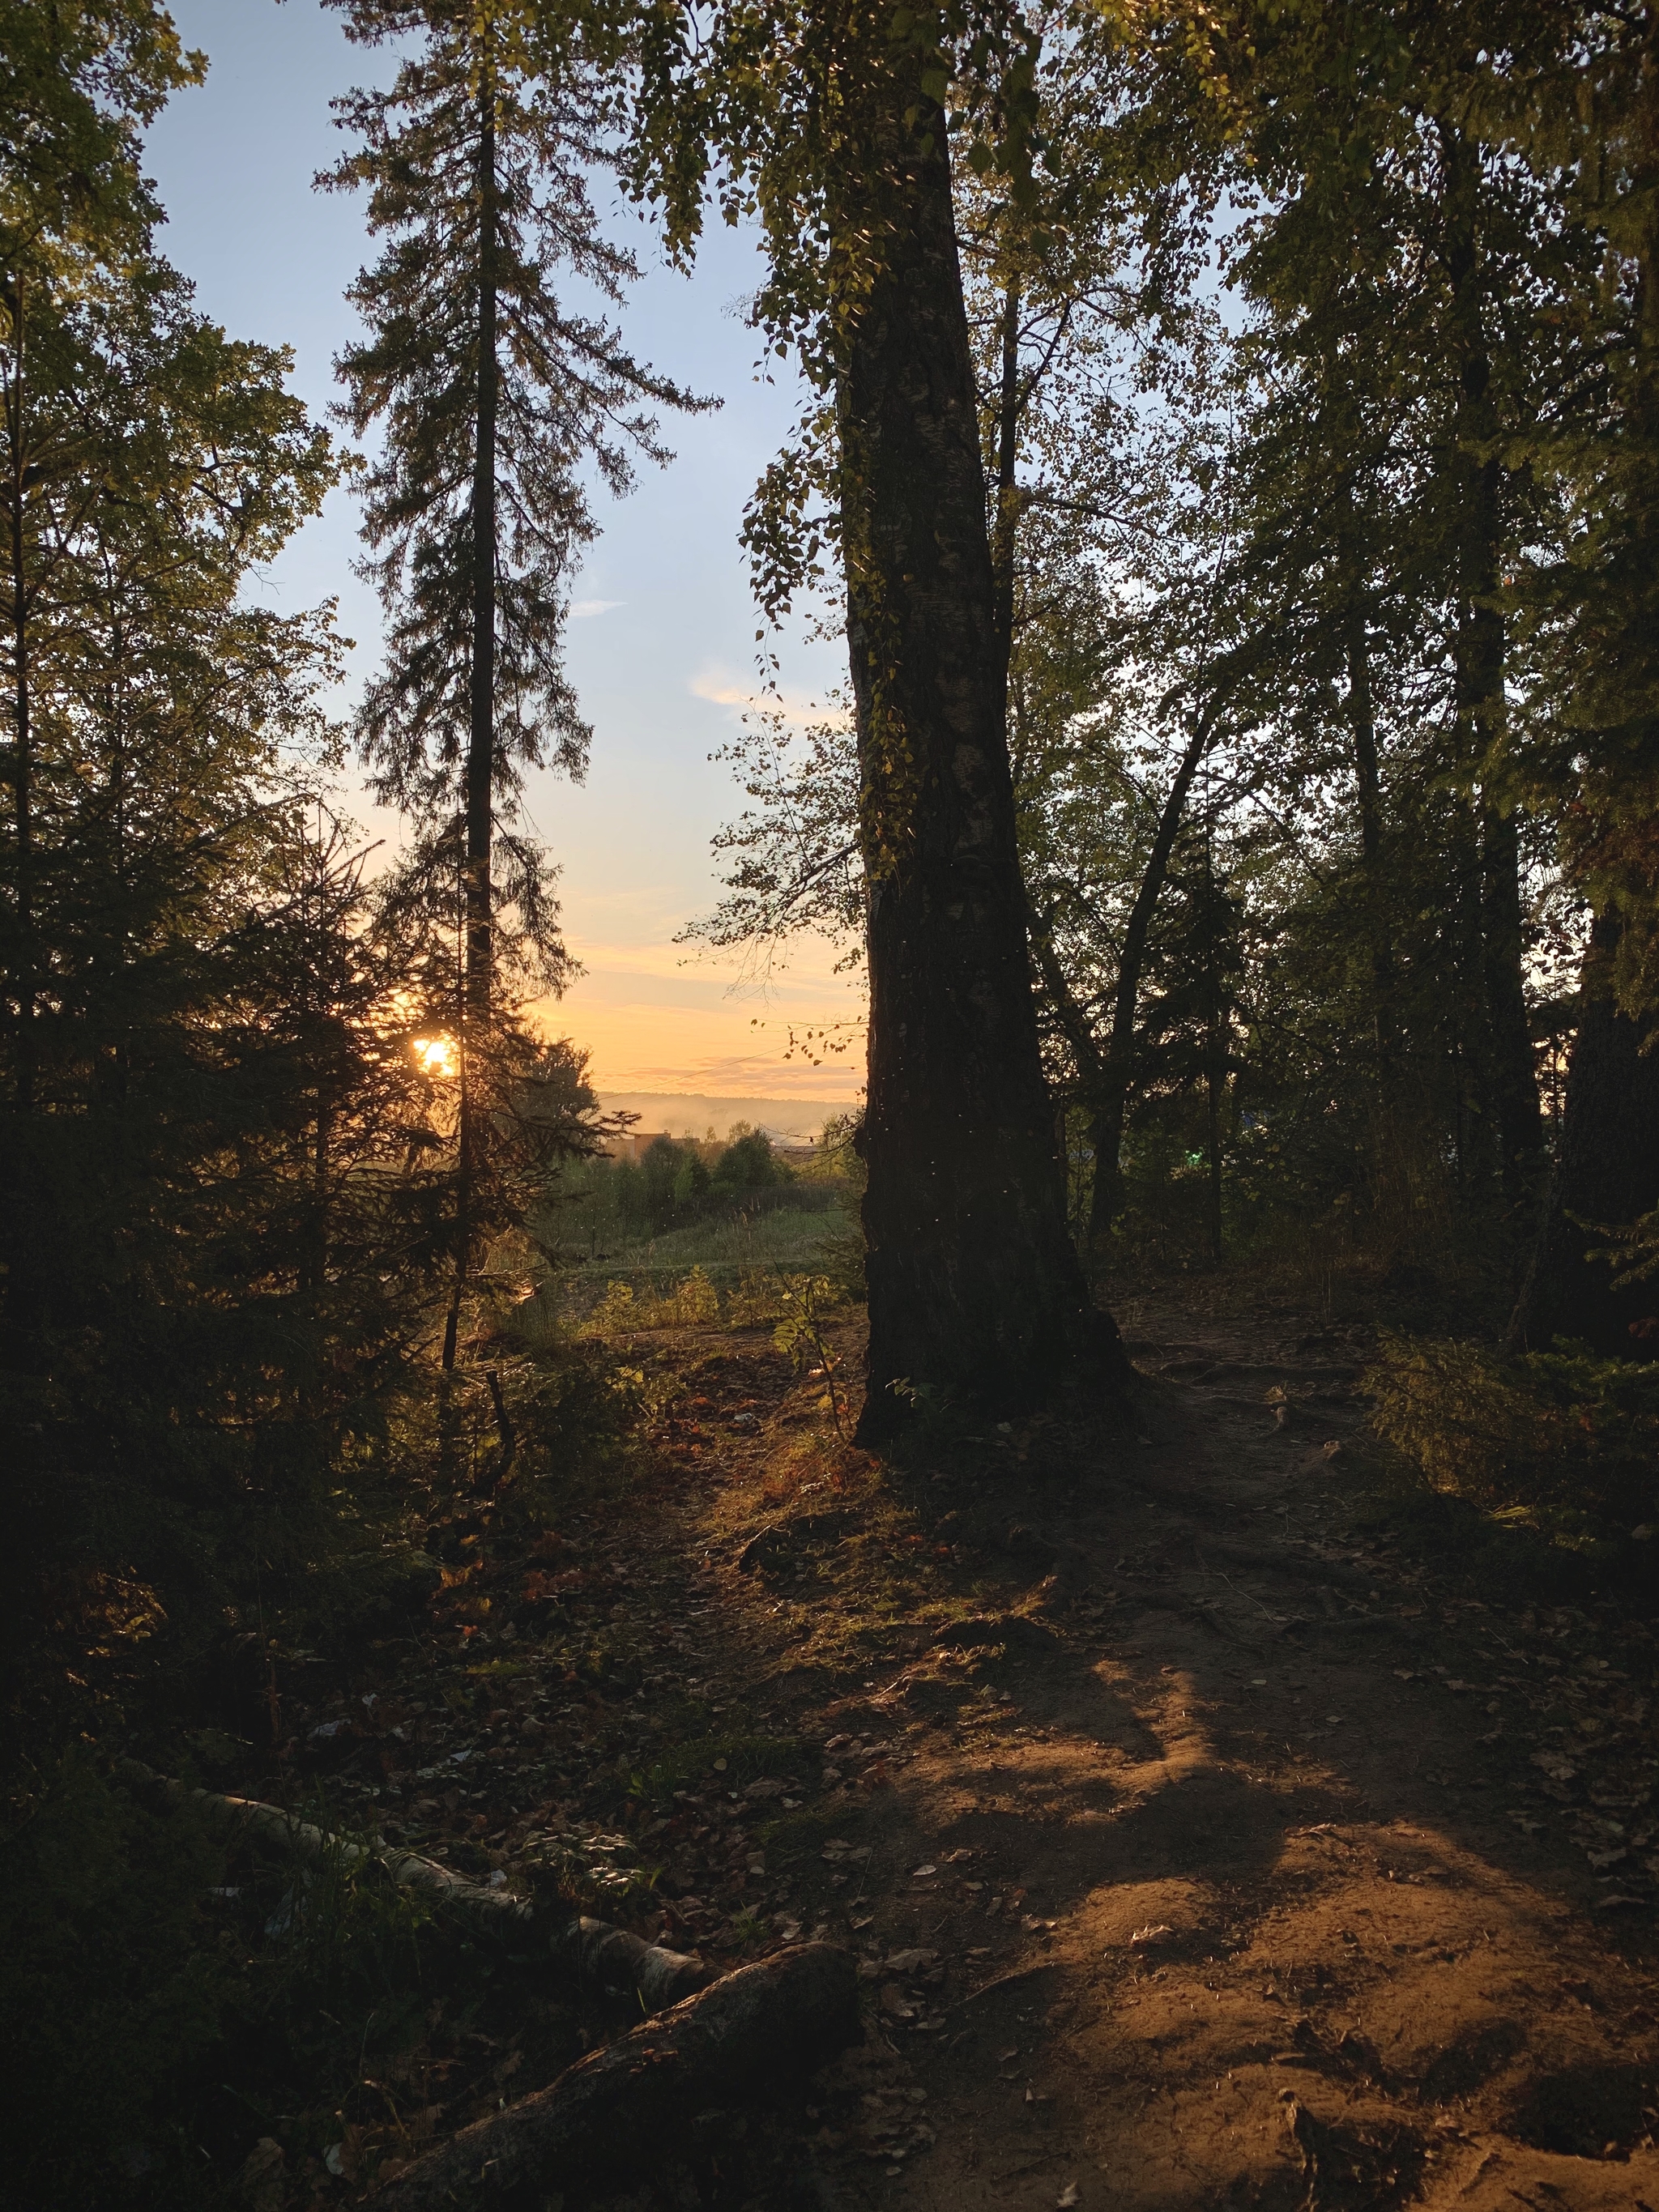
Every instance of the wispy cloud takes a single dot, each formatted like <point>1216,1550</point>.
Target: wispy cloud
<point>721,690</point>
<point>745,1075</point>
<point>581,609</point>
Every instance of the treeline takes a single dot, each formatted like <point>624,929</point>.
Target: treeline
<point>681,1180</point>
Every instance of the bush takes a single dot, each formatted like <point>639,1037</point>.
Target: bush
<point>112,1990</point>
<point>1557,1432</point>
<point>748,1164</point>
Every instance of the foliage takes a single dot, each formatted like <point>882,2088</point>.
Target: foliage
<point>796,1302</point>
<point>1301,596</point>
<point>112,1990</point>
<point>202,1071</point>
<point>1554,1431</point>
<point>807,1300</point>
<point>676,1183</point>
<point>494,395</point>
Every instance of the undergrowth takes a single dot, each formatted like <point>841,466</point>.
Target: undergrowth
<point>1563,1441</point>
<point>754,1297</point>
<point>148,1966</point>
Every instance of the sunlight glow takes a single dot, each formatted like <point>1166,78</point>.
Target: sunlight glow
<point>436,1057</point>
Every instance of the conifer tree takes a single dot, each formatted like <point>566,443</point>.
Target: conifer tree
<point>491,397</point>
<point>181,1351</point>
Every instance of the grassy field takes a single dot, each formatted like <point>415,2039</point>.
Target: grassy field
<point>594,1235</point>
<point>742,1255</point>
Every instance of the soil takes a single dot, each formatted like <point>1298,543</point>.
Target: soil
<point>1204,1841</point>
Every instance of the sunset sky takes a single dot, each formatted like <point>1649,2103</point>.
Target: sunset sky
<point>662,646</point>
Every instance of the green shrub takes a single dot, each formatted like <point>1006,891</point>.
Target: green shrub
<point>840,1261</point>
<point>112,1989</point>
<point>1560,1431</point>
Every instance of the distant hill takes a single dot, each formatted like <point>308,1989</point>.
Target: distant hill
<point>682,1113</point>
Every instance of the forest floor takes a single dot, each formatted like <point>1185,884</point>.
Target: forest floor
<point>1207,1840</point>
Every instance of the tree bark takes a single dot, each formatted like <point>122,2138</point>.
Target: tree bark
<point>1117,1076</point>
<point>1607,1176</point>
<point>1509,1077</point>
<point>1368,784</point>
<point>481,746</point>
<point>16,425</point>
<point>478,982</point>
<point>975,1291</point>
<point>1215,1091</point>
<point>1517,1110</point>
<point>624,2110</point>
<point>1005,536</point>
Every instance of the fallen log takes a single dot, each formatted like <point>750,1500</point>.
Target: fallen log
<point>751,2036</point>
<point>595,1955</point>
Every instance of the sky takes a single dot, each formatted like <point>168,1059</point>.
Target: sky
<point>662,648</point>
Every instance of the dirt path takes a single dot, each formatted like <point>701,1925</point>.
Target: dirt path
<point>1201,1850</point>
<point>1233,1874</point>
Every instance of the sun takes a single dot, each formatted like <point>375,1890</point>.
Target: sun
<point>436,1057</point>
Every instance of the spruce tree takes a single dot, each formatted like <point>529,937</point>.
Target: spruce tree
<point>491,397</point>
<point>181,1352</point>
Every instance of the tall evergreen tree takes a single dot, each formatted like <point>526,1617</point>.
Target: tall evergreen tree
<point>492,398</point>
<point>176,1367</point>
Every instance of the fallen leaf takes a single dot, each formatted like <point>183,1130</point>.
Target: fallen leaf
<point>1150,1933</point>
<point>1068,2197</point>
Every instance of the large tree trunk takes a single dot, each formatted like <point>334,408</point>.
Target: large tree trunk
<point>1116,1082</point>
<point>1516,1108</point>
<point>974,1289</point>
<point>478,982</point>
<point>1608,1174</point>
<point>1508,1082</point>
<point>24,981</point>
<point>1368,782</point>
